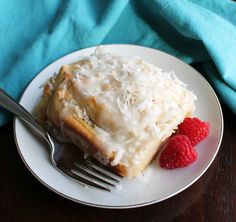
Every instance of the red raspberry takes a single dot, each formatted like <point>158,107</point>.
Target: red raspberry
<point>195,129</point>
<point>177,153</point>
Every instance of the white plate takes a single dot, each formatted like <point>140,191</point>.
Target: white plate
<point>156,184</point>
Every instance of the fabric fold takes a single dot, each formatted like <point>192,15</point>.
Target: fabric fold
<point>33,34</point>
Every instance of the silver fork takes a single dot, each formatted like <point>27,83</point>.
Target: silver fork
<point>67,158</point>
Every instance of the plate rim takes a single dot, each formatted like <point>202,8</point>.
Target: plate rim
<point>131,205</point>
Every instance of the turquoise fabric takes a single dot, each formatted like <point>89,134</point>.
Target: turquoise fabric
<point>35,33</point>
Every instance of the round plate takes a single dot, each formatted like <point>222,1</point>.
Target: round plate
<point>155,184</point>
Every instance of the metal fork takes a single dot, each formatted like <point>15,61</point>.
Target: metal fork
<point>67,158</point>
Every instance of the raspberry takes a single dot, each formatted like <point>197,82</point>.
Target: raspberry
<point>195,129</point>
<point>177,153</point>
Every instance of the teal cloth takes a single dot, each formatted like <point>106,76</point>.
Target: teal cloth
<point>35,33</point>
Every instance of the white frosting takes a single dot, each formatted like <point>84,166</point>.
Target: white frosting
<point>134,104</point>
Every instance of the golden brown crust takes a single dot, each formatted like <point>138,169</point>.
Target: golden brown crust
<point>76,130</point>
<point>50,108</point>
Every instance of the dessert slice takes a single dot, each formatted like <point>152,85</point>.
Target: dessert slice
<point>118,109</point>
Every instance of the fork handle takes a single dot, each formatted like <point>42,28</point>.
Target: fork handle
<point>8,103</point>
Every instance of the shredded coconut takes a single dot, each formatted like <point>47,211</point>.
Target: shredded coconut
<point>133,102</point>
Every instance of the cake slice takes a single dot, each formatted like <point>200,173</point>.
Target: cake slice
<point>117,109</point>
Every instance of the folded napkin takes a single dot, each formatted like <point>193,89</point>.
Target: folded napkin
<point>35,33</point>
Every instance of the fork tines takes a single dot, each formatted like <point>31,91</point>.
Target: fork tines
<point>92,174</point>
